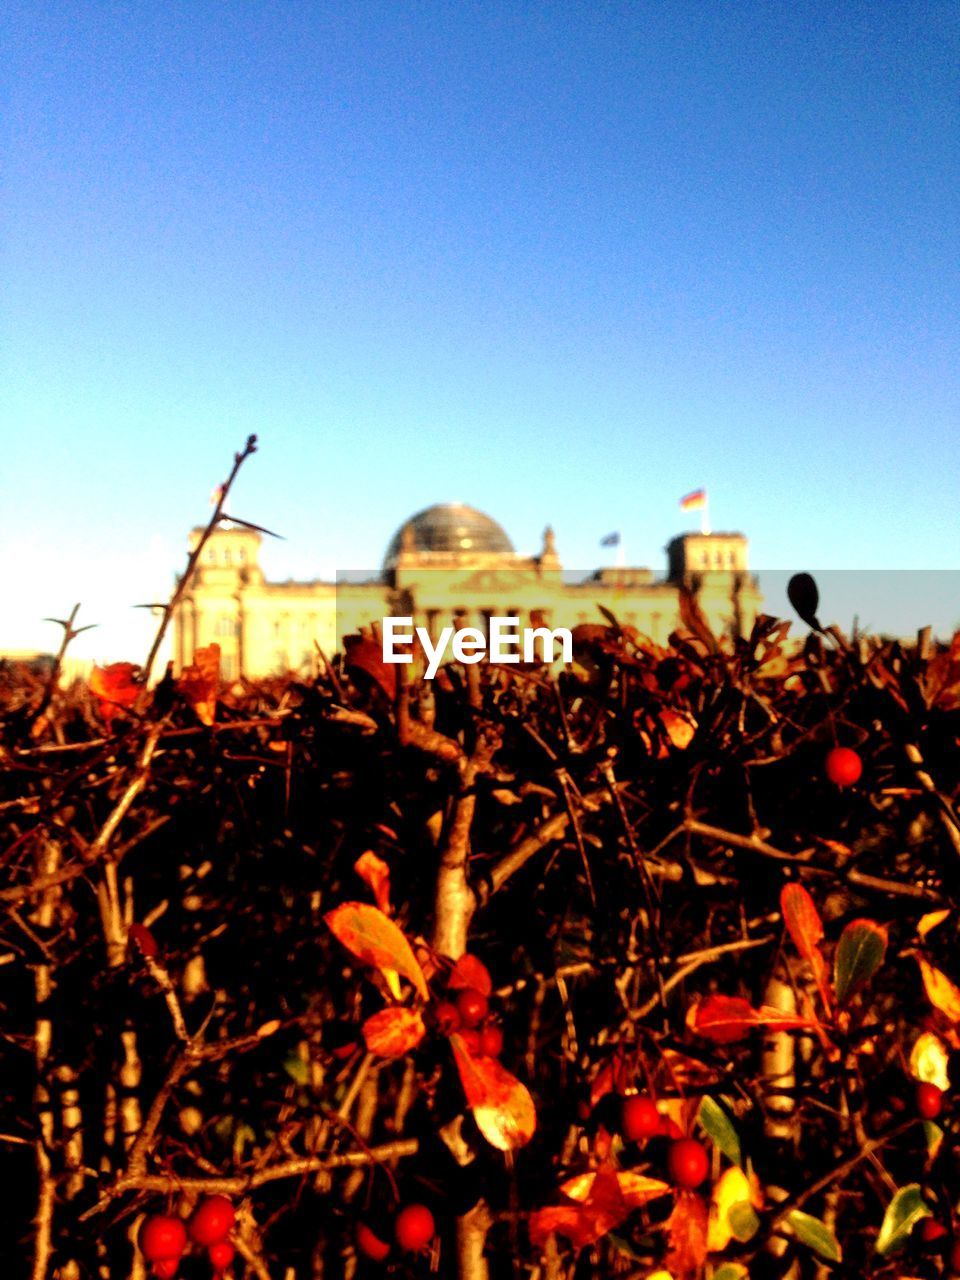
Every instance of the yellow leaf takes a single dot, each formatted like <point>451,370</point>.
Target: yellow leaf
<point>931,920</point>
<point>941,992</point>
<point>732,1187</point>
<point>929,1061</point>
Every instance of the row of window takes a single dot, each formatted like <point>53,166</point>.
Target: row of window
<point>718,560</point>
<point>226,555</point>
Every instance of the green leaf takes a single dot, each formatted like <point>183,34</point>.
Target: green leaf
<point>903,1213</point>
<point>816,1235</point>
<point>731,1271</point>
<point>296,1068</point>
<point>933,1137</point>
<point>719,1128</point>
<point>624,1246</point>
<point>744,1222</point>
<point>860,953</point>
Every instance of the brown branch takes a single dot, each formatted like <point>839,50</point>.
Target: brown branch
<point>99,846</point>
<point>691,963</point>
<point>455,900</point>
<point>238,461</point>
<point>857,879</point>
<point>240,1184</point>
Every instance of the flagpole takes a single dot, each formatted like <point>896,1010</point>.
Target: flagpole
<point>705,515</point>
<point>621,555</point>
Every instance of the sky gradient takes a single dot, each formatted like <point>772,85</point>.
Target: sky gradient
<point>562,261</point>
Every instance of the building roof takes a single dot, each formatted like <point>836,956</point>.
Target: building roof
<point>448,526</point>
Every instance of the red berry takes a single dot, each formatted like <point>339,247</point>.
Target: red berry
<point>931,1230</point>
<point>162,1238</point>
<point>491,1041</point>
<point>639,1118</point>
<point>141,935</point>
<point>844,766</point>
<point>687,1163</point>
<point>471,1042</point>
<point>472,1007</point>
<point>165,1269</point>
<point>414,1227</point>
<point>213,1220</point>
<point>929,1101</point>
<point>221,1255</point>
<point>447,1018</point>
<point>370,1244</point>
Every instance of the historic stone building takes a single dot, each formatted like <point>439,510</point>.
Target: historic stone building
<point>445,561</point>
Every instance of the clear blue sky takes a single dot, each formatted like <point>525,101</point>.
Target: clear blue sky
<point>563,261</point>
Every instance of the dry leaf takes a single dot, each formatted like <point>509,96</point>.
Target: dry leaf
<point>393,1032</point>
<point>679,729</point>
<point>687,1232</point>
<point>361,654</point>
<point>585,1221</point>
<point>805,927</point>
<point>929,1061</point>
<point>501,1105</point>
<point>373,938</point>
<point>376,874</point>
<point>116,689</point>
<point>941,992</point>
<point>199,683</point>
<point>724,1019</point>
<point>931,920</point>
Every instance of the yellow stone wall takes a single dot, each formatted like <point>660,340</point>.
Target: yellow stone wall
<point>266,628</point>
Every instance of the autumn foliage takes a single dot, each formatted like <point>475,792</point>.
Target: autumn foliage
<point>226,969</point>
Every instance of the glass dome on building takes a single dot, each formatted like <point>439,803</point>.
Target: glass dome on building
<point>448,527</point>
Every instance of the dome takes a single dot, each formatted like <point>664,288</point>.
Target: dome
<point>451,527</point>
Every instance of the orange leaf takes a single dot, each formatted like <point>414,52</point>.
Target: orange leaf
<point>376,940</point>
<point>470,972</point>
<point>501,1105</point>
<point>115,687</point>
<point>583,1221</point>
<point>724,1019</point>
<point>679,729</point>
<point>941,992</point>
<point>199,682</point>
<point>930,921</point>
<point>635,1188</point>
<point>361,654</point>
<point>614,1076</point>
<point>806,929</point>
<point>393,1032</point>
<point>687,1233</point>
<point>375,872</point>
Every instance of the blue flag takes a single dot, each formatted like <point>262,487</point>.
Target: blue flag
<point>611,540</point>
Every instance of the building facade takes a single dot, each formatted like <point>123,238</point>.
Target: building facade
<point>447,561</point>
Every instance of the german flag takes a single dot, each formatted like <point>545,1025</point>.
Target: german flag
<point>694,501</point>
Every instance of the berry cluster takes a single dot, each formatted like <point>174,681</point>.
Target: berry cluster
<point>687,1160</point>
<point>163,1238</point>
<point>465,1012</point>
<point>413,1229</point>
